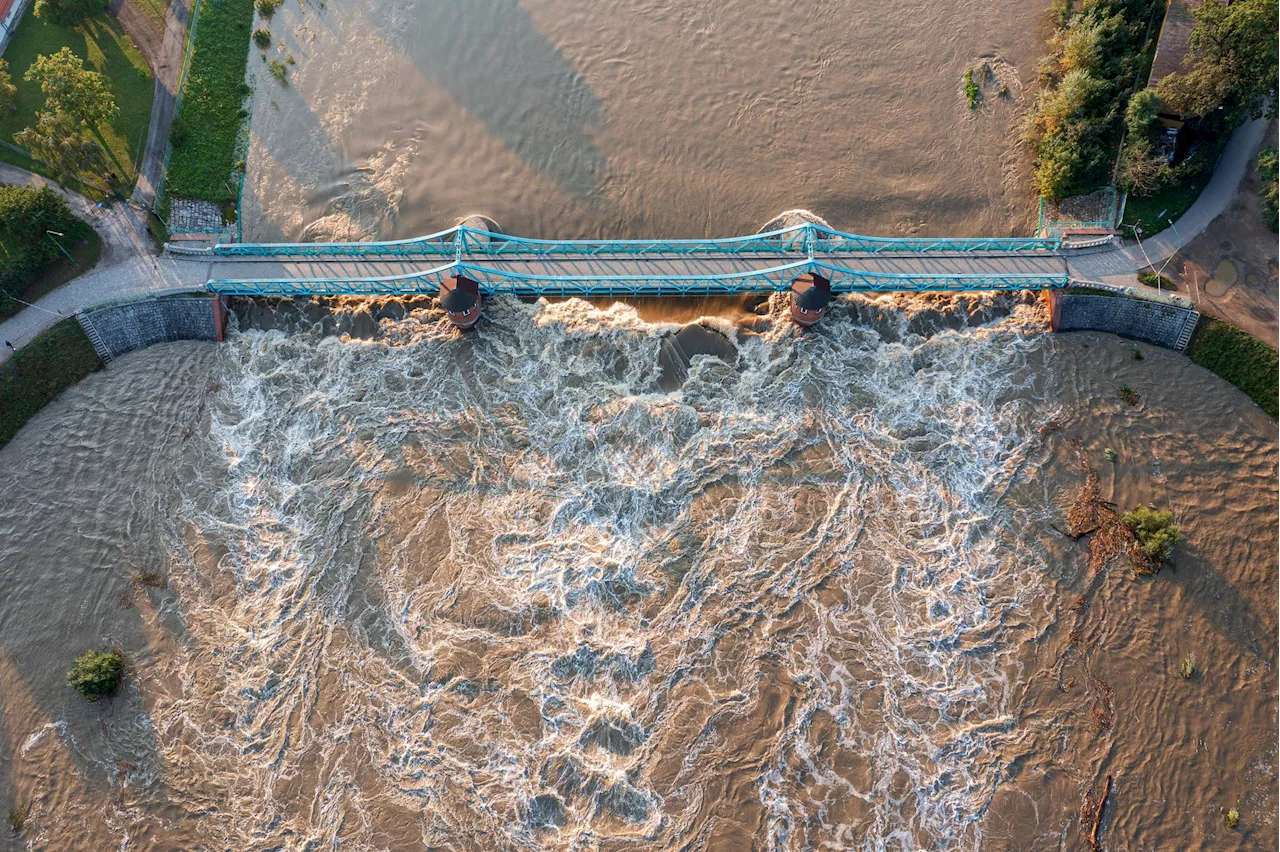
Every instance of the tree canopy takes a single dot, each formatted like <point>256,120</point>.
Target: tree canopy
<point>68,12</point>
<point>1233,64</point>
<point>70,88</point>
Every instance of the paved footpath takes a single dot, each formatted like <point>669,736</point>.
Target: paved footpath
<point>1121,264</point>
<point>130,270</point>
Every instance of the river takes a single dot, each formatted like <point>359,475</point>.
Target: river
<point>659,118</point>
<point>558,585</point>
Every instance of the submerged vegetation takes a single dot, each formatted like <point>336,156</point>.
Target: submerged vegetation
<point>1156,535</point>
<point>972,91</point>
<point>95,674</point>
<point>1241,359</point>
<point>204,161</point>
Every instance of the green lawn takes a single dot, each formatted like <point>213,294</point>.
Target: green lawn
<point>208,124</point>
<point>105,48</point>
<point>1241,359</point>
<point>40,371</point>
<point>1154,212</point>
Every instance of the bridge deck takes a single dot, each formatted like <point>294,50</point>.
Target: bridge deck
<point>645,274</point>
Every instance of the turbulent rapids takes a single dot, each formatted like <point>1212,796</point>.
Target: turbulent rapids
<point>506,589</point>
<point>587,582</point>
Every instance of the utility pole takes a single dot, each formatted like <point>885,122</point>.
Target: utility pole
<point>53,235</point>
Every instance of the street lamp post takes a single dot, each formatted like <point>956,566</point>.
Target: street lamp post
<point>53,235</point>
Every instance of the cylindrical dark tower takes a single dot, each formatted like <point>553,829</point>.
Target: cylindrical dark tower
<point>460,298</point>
<point>810,295</point>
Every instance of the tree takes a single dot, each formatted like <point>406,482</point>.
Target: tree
<point>1234,62</point>
<point>62,143</point>
<point>1142,170</point>
<point>68,12</point>
<point>8,91</point>
<point>96,673</point>
<point>69,88</point>
<point>1140,114</point>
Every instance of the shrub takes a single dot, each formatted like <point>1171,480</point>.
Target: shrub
<point>1232,818</point>
<point>96,673</point>
<point>1155,532</point>
<point>972,91</point>
<point>8,91</point>
<point>1188,667</point>
<point>1269,174</point>
<point>279,70</point>
<point>267,8</point>
<point>262,37</point>
<point>179,133</point>
<point>1140,115</point>
<point>1160,282</point>
<point>1129,395</point>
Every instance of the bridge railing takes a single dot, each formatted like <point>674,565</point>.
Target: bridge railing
<point>496,280</point>
<point>800,240</point>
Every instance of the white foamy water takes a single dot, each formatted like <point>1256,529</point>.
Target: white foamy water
<point>504,589</point>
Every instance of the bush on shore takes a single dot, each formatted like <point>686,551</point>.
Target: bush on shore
<point>204,157</point>
<point>1269,174</point>
<point>95,674</point>
<point>1096,54</point>
<point>1241,359</point>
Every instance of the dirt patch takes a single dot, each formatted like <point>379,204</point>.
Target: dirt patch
<point>143,20</point>
<point>1230,271</point>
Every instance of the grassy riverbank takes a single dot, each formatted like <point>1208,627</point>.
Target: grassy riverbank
<point>105,48</point>
<point>40,371</point>
<point>1241,359</point>
<point>204,133</point>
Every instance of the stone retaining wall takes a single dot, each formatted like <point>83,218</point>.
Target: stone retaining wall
<point>123,328</point>
<point>1169,326</point>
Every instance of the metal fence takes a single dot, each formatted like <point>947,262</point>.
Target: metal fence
<point>1099,210</point>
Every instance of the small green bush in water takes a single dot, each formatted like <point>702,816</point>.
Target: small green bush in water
<point>972,90</point>
<point>1188,667</point>
<point>262,37</point>
<point>1232,817</point>
<point>1155,531</point>
<point>278,69</point>
<point>96,673</point>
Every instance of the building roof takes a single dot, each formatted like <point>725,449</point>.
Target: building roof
<point>1174,46</point>
<point>811,292</point>
<point>459,295</point>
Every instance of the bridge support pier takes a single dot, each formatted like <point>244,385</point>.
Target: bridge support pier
<point>810,296</point>
<point>460,297</point>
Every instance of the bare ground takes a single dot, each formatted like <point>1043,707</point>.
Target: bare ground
<point>1246,295</point>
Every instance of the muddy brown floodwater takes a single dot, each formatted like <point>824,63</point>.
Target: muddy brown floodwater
<point>659,118</point>
<point>581,581</point>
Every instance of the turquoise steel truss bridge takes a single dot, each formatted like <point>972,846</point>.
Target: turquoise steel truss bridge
<point>501,263</point>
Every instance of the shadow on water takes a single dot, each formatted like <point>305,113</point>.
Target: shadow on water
<point>1226,608</point>
<point>495,64</point>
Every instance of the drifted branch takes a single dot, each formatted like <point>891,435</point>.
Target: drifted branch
<point>1097,816</point>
